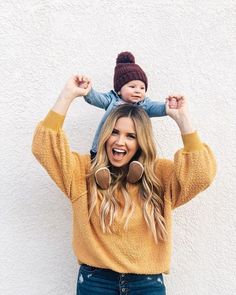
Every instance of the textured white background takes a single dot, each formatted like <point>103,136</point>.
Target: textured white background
<point>184,46</point>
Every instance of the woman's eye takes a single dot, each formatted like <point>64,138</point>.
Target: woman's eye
<point>114,132</point>
<point>132,136</point>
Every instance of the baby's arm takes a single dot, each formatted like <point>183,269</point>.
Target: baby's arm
<point>155,108</point>
<point>98,99</point>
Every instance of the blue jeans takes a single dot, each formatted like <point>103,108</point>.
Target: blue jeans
<point>98,281</point>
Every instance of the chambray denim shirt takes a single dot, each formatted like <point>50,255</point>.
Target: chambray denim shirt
<point>108,101</point>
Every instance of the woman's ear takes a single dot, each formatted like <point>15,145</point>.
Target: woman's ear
<point>118,92</point>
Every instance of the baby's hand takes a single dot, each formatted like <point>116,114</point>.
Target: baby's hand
<point>177,109</point>
<point>82,81</point>
<point>173,102</point>
<point>77,85</point>
<point>84,84</point>
<point>176,106</point>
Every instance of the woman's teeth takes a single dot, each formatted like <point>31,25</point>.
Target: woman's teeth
<point>118,154</point>
<point>119,151</point>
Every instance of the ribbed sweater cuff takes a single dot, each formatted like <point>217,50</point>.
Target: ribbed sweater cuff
<point>192,142</point>
<point>53,121</point>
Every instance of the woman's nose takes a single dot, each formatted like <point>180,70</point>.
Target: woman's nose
<point>120,140</point>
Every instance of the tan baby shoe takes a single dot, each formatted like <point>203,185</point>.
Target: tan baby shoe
<point>135,172</point>
<point>103,177</point>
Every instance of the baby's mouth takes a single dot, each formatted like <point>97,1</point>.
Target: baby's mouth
<point>136,98</point>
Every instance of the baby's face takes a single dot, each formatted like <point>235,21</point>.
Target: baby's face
<point>133,91</point>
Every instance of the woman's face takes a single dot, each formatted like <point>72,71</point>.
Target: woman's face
<point>122,145</point>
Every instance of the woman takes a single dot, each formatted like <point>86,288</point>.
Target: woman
<point>122,235</point>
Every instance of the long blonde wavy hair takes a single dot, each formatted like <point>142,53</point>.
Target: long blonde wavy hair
<point>150,189</point>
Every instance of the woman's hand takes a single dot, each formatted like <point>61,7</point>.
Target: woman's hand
<point>77,85</point>
<point>177,109</point>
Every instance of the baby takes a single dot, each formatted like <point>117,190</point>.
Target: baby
<point>130,86</point>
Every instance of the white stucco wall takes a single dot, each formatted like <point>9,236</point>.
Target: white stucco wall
<point>184,46</point>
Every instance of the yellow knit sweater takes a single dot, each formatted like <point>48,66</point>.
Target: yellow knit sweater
<point>133,250</point>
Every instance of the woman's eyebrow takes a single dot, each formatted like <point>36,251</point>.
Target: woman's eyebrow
<point>115,130</point>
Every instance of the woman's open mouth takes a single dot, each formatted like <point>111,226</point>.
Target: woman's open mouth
<point>118,154</point>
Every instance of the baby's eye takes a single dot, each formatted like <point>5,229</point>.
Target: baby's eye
<point>131,86</point>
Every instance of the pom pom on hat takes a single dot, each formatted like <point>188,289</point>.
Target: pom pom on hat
<point>125,57</point>
<point>127,70</point>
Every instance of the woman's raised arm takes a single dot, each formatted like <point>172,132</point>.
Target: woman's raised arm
<point>177,109</point>
<point>77,85</point>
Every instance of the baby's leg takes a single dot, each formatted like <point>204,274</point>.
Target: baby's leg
<point>103,177</point>
<point>135,172</point>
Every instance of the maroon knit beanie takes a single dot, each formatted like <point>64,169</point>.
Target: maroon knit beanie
<point>127,70</point>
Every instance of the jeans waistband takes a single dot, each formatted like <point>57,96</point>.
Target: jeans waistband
<point>113,275</point>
